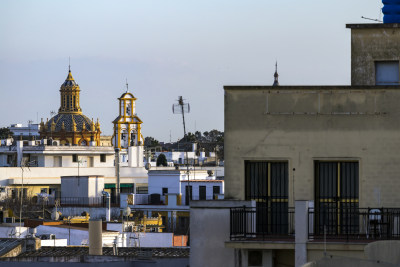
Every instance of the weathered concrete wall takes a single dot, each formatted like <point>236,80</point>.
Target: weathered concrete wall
<point>384,251</point>
<point>370,44</point>
<point>346,262</point>
<point>257,128</point>
<point>209,229</point>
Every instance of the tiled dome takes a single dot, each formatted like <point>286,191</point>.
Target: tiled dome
<point>67,119</point>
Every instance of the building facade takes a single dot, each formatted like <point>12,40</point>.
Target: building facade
<point>318,162</point>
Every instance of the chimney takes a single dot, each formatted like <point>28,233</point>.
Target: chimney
<point>95,237</point>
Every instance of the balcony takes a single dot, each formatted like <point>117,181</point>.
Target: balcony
<point>261,223</point>
<point>346,224</point>
<point>354,224</point>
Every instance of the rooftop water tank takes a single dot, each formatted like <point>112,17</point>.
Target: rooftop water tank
<point>391,11</point>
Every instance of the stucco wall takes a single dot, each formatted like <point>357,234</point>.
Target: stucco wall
<point>369,45</point>
<point>209,230</point>
<point>256,131</point>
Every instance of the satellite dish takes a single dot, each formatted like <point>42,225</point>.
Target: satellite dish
<point>55,215</point>
<point>127,211</point>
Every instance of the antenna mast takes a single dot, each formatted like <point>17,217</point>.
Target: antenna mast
<point>182,108</point>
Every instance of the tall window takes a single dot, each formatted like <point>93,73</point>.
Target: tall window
<point>267,183</point>
<point>202,192</point>
<point>336,196</point>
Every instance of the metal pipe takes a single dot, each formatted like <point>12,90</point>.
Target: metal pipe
<point>108,205</point>
<point>117,172</point>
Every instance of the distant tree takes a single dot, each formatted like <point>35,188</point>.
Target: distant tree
<point>162,160</point>
<point>197,134</point>
<point>151,141</point>
<point>5,133</point>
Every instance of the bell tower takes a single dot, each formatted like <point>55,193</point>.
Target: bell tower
<point>127,126</point>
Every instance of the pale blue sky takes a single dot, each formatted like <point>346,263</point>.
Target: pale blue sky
<point>167,48</point>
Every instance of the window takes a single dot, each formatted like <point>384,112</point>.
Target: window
<point>90,162</point>
<point>216,190</point>
<point>202,192</point>
<point>127,188</point>
<point>57,161</point>
<point>164,191</point>
<point>387,72</point>
<point>43,190</point>
<point>267,183</point>
<point>142,190</point>
<point>188,194</point>
<point>254,258</point>
<point>103,158</point>
<point>336,197</point>
<point>75,158</point>
<point>53,191</point>
<point>9,159</point>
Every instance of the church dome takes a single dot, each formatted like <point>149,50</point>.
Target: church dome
<point>67,122</point>
<point>70,126</point>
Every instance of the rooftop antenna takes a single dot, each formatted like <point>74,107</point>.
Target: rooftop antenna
<point>69,64</point>
<point>377,20</point>
<point>127,89</point>
<point>182,108</point>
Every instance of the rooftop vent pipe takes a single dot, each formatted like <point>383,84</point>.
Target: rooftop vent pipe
<point>391,11</point>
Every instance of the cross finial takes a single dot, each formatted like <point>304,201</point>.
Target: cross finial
<point>127,89</point>
<point>69,64</point>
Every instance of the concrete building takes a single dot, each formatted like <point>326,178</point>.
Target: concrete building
<point>32,130</point>
<point>317,162</point>
<point>170,193</point>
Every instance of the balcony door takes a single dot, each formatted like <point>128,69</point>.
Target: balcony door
<point>267,183</point>
<point>336,197</point>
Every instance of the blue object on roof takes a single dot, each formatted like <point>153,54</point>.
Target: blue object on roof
<point>391,11</point>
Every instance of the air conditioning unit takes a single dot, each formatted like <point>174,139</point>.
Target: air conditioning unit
<point>9,219</point>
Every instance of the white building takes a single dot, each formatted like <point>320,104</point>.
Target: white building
<point>43,166</point>
<point>30,130</point>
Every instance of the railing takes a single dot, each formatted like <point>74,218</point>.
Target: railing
<point>261,223</point>
<point>353,223</point>
<point>62,201</point>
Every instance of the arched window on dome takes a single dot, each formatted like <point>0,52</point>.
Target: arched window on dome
<point>84,143</point>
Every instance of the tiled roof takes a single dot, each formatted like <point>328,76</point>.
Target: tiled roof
<point>6,244</point>
<point>67,119</point>
<point>108,251</point>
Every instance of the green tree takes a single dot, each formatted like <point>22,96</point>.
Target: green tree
<point>151,141</point>
<point>5,133</point>
<point>162,160</point>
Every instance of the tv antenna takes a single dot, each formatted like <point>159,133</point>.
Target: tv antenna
<point>182,108</point>
<point>377,20</point>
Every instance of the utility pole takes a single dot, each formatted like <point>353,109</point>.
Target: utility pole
<point>23,164</point>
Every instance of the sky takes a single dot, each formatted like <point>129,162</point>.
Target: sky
<point>166,49</point>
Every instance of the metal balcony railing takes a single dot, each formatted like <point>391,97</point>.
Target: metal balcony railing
<point>261,223</point>
<point>353,223</point>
